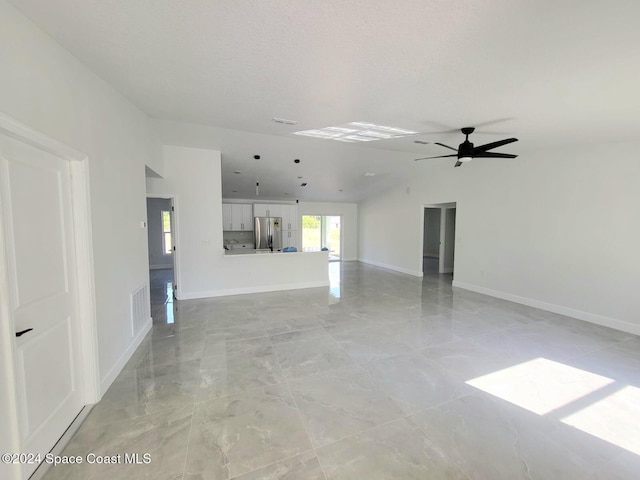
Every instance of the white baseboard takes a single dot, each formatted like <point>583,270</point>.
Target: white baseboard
<point>551,307</point>
<point>258,289</point>
<point>391,267</point>
<point>160,267</point>
<point>122,361</point>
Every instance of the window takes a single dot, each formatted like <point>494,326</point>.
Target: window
<point>166,232</point>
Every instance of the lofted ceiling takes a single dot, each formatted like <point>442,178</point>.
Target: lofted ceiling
<point>544,71</point>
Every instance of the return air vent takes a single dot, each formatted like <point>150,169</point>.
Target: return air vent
<point>140,308</point>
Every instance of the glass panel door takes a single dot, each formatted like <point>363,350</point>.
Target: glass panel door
<point>331,236</point>
<point>322,232</point>
<point>311,233</point>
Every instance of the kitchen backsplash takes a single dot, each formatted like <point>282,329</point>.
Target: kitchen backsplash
<point>237,237</point>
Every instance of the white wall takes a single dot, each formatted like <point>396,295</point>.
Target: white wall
<point>157,257</point>
<point>202,269</point>
<point>349,212</point>
<point>45,87</point>
<point>557,228</point>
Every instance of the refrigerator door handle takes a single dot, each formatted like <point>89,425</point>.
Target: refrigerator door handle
<point>257,234</point>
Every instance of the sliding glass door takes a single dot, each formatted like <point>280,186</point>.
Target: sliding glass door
<point>322,232</point>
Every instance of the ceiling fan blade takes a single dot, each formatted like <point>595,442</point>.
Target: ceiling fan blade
<point>489,146</point>
<point>458,163</point>
<point>446,146</point>
<point>441,156</point>
<point>492,122</point>
<point>493,155</point>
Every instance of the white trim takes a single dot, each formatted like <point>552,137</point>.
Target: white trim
<point>126,356</point>
<point>260,289</point>
<point>81,204</point>
<point>391,267</point>
<point>9,413</point>
<point>551,307</point>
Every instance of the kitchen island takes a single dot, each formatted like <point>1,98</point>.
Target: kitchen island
<point>251,271</point>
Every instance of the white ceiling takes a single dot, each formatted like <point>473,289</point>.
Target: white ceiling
<point>553,72</point>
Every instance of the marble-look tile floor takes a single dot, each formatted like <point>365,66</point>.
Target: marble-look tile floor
<point>389,377</point>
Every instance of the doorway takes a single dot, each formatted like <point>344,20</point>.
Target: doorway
<point>323,232</point>
<point>431,240</point>
<point>438,245</point>
<point>161,234</point>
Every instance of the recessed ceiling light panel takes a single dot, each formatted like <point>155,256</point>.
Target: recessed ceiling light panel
<point>357,132</point>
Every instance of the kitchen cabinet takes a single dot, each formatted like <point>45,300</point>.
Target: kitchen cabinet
<point>227,221</point>
<point>244,212</point>
<point>290,239</point>
<point>260,210</point>
<point>269,210</point>
<point>237,217</point>
<point>289,214</point>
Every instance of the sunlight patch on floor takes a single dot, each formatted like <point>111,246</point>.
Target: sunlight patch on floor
<point>540,385</point>
<point>614,419</point>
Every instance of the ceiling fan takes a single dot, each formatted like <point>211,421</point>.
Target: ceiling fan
<point>467,152</point>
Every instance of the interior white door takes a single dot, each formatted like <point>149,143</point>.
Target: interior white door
<point>41,277</point>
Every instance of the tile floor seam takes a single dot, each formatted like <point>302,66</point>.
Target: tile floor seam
<point>304,425</point>
<point>424,433</point>
<point>186,455</point>
<point>273,463</point>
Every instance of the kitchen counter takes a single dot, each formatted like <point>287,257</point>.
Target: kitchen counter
<point>251,251</point>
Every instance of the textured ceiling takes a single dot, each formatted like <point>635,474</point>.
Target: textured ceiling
<point>553,72</point>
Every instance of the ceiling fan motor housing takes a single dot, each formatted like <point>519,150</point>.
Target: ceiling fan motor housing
<point>465,151</point>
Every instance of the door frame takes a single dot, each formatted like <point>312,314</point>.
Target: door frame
<point>341,231</point>
<point>175,238</point>
<point>85,307</point>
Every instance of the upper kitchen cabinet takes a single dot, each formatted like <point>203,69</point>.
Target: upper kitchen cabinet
<point>260,210</point>
<point>288,213</point>
<point>227,220</point>
<point>237,217</point>
<point>246,216</point>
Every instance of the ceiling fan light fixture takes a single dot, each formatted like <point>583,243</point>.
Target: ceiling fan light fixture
<point>465,159</point>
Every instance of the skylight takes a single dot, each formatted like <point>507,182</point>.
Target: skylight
<point>357,132</point>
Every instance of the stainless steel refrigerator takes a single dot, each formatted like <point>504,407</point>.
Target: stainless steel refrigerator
<point>268,232</point>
